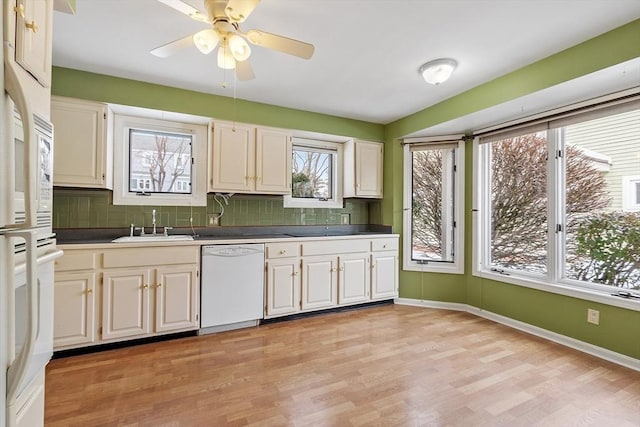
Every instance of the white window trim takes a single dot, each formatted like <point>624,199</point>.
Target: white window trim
<point>457,266</point>
<point>629,193</point>
<point>195,126</point>
<point>337,200</point>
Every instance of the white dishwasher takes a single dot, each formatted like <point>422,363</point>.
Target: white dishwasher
<point>231,287</point>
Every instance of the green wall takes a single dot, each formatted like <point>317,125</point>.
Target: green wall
<point>619,328</point>
<point>75,208</point>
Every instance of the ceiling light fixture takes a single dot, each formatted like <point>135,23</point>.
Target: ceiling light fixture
<point>205,40</point>
<point>438,71</point>
<point>239,48</point>
<point>225,58</point>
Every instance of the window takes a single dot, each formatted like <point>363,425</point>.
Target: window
<point>557,200</point>
<point>433,198</point>
<point>631,192</point>
<point>316,176</point>
<point>159,161</point>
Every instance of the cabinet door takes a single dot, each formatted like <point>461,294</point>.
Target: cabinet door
<point>273,161</point>
<point>384,275</point>
<point>34,38</point>
<point>368,165</point>
<point>232,167</point>
<point>80,155</point>
<point>353,280</point>
<point>319,282</point>
<point>73,312</point>
<point>176,292</point>
<point>125,303</point>
<point>283,287</point>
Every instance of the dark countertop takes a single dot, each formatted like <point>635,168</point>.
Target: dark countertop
<point>106,235</point>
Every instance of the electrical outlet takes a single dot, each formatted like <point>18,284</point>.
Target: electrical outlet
<point>213,219</point>
<point>345,218</point>
<point>593,316</point>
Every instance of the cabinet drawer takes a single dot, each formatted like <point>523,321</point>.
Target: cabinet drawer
<point>384,244</point>
<point>151,256</point>
<point>77,260</point>
<point>282,250</point>
<point>331,247</point>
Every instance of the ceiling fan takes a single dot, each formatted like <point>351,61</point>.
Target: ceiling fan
<point>224,16</point>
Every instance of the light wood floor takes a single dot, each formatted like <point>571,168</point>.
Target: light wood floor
<point>382,366</point>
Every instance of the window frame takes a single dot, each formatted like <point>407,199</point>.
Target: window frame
<point>457,265</point>
<point>337,150</point>
<point>555,280</point>
<point>155,121</point>
<point>631,193</point>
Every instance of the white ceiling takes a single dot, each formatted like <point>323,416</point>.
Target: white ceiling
<point>367,52</point>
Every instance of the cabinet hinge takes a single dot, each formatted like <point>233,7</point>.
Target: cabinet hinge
<point>100,330</point>
<point>197,273</point>
<point>104,116</point>
<point>197,317</point>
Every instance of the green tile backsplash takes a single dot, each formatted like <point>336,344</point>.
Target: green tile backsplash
<point>80,208</point>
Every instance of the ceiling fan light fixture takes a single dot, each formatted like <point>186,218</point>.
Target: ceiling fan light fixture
<point>239,48</point>
<point>205,40</point>
<point>225,58</point>
<point>438,71</point>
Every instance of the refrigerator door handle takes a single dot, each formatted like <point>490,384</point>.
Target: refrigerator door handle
<point>18,368</point>
<point>13,87</point>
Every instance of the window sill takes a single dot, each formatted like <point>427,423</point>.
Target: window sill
<point>434,268</point>
<point>564,289</point>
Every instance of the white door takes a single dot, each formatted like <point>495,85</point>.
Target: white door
<point>283,287</point>
<point>353,280</point>
<point>176,298</point>
<point>384,276</point>
<point>319,277</point>
<point>73,313</point>
<point>125,303</point>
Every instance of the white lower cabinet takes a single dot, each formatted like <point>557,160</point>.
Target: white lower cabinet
<point>353,278</point>
<point>384,275</point>
<point>333,272</point>
<point>282,287</point>
<point>176,298</point>
<point>135,296</point>
<point>125,303</point>
<point>74,308</point>
<point>319,282</point>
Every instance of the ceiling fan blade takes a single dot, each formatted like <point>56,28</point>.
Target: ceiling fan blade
<point>280,43</point>
<point>244,71</point>
<point>182,7</point>
<point>239,10</point>
<point>173,47</point>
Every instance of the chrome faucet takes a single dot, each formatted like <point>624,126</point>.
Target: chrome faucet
<point>153,220</point>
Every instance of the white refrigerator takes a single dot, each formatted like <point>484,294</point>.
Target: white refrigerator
<point>27,244</point>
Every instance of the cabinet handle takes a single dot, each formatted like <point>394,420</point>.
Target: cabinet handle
<point>33,26</point>
<point>159,285</point>
<point>19,9</point>
<point>340,268</point>
<point>373,265</point>
<point>145,286</point>
<point>333,269</point>
<point>89,291</point>
<point>295,273</point>
<point>282,252</point>
<point>384,246</point>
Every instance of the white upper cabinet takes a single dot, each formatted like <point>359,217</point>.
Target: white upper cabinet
<point>83,156</point>
<point>245,159</point>
<point>33,37</point>
<point>363,169</point>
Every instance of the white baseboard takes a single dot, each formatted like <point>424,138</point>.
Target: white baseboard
<point>582,346</point>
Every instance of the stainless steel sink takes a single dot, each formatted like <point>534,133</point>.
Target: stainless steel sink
<point>152,238</point>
